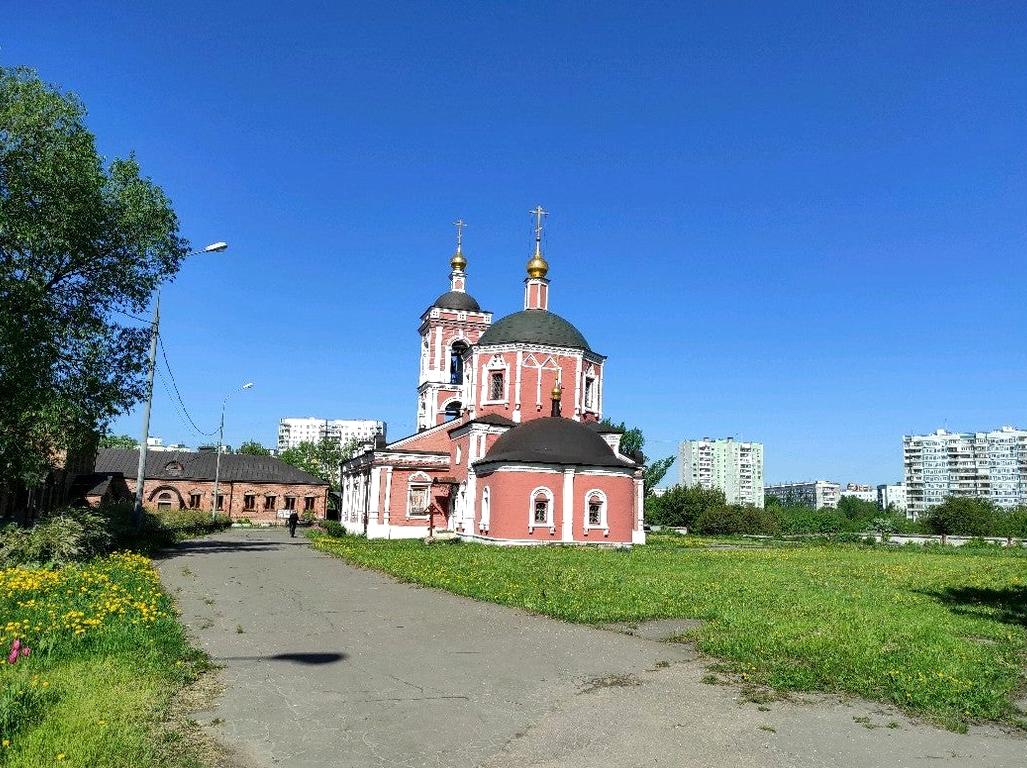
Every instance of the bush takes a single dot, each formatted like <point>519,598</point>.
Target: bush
<point>681,506</point>
<point>333,528</point>
<point>79,534</point>
<point>733,519</point>
<point>963,516</point>
<point>1014,524</point>
<point>60,538</point>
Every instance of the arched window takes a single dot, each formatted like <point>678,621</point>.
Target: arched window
<point>173,468</point>
<point>541,512</point>
<point>595,510</point>
<point>453,409</point>
<point>456,362</point>
<point>486,497</point>
<point>164,500</point>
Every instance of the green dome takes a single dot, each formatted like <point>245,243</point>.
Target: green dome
<point>534,326</point>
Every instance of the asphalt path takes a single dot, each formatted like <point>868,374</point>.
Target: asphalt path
<point>325,664</point>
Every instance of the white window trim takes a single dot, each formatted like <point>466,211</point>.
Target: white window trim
<point>418,480</point>
<point>497,364</point>
<point>604,519</point>
<point>550,517</point>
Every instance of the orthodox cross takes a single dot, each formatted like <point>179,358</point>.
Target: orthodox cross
<point>539,213</point>
<point>459,224</point>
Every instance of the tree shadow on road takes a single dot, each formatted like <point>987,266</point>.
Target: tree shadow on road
<point>1008,605</point>
<point>220,546</point>
<point>294,658</point>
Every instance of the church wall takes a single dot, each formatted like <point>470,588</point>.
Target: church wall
<point>533,374</point>
<point>400,496</point>
<point>620,506</point>
<point>511,504</point>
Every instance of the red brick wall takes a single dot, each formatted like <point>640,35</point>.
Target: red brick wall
<point>234,497</point>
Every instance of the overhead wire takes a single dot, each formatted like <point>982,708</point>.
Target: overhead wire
<point>178,395</point>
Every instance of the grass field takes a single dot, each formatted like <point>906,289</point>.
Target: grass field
<point>107,655</point>
<point>941,634</point>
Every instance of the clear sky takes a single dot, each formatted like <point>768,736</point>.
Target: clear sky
<point>798,224</point>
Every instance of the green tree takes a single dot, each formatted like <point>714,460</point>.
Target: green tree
<point>682,505</point>
<point>963,516</point>
<point>118,441</point>
<point>321,459</point>
<point>253,448</point>
<point>632,442</point>
<point>79,242</point>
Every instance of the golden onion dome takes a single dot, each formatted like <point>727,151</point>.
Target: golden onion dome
<point>458,262</point>
<point>537,267</point>
<point>557,392</point>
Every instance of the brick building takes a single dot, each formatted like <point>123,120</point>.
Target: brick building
<point>509,448</point>
<point>260,488</point>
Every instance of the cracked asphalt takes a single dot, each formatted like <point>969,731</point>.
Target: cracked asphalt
<point>330,665</point>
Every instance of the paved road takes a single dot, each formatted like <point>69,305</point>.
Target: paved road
<point>329,665</point>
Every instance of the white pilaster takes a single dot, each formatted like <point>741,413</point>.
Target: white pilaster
<point>568,505</point>
<point>388,495</point>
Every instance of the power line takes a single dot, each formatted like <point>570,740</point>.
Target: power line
<point>178,394</point>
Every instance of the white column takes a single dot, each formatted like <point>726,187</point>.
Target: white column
<point>577,386</point>
<point>637,530</point>
<point>388,495</point>
<point>568,504</point>
<point>372,508</point>
<point>517,393</point>
<point>438,350</point>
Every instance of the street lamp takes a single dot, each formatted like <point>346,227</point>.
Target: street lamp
<point>221,440</point>
<point>137,509</point>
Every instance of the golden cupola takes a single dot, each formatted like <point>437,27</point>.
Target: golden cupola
<point>538,266</point>
<point>458,262</point>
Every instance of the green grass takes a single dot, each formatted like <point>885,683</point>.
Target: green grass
<point>941,634</point>
<point>107,657</point>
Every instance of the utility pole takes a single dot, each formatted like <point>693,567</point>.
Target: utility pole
<point>137,509</point>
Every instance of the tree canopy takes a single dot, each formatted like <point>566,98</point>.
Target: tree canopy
<point>253,448</point>
<point>632,442</point>
<point>321,459</point>
<point>80,242</point>
<point>118,441</point>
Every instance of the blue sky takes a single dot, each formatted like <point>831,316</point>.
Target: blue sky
<point>800,224</point>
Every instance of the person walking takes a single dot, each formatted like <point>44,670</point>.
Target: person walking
<point>294,520</point>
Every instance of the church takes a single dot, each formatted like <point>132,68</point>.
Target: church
<point>509,448</point>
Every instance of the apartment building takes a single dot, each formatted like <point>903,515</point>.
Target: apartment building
<point>861,492</point>
<point>818,494</point>
<point>892,495</point>
<point>990,465</point>
<point>734,467</point>
<point>293,431</point>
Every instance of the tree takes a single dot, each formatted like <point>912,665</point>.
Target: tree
<point>962,516</point>
<point>631,443</point>
<point>79,242</point>
<point>253,448</point>
<point>682,505</point>
<point>321,459</point>
<point>118,441</point>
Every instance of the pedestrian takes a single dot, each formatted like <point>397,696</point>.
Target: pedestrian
<point>294,520</point>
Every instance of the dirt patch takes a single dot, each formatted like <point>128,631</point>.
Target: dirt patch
<point>660,630</point>
<point>184,734</point>
<point>610,681</point>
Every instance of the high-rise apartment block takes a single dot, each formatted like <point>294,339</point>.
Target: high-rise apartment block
<point>990,465</point>
<point>818,494</point>
<point>734,467</point>
<point>292,432</point>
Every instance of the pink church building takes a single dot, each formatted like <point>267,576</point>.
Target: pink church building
<point>509,449</point>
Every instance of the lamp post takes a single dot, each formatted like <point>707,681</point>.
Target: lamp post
<point>137,509</point>
<point>221,440</point>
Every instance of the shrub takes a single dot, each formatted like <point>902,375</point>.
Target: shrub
<point>735,519</point>
<point>681,506</point>
<point>58,539</point>
<point>962,516</point>
<point>333,528</point>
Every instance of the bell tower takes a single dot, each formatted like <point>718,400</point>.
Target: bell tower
<point>449,328</point>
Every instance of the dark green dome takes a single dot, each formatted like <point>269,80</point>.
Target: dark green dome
<point>534,326</point>
<point>553,440</point>
<point>457,300</point>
